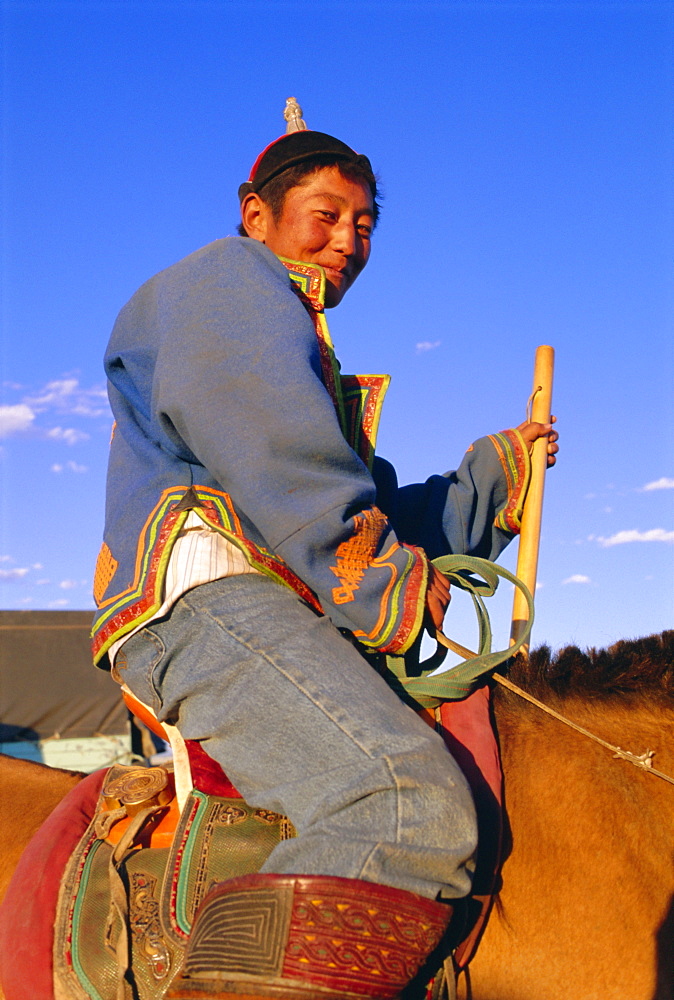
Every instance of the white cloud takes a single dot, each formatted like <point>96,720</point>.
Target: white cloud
<point>67,434</point>
<point>6,559</point>
<point>66,395</point>
<point>41,583</point>
<point>427,345</point>
<point>68,584</point>
<point>623,537</point>
<point>577,578</point>
<point>13,574</point>
<point>71,466</point>
<point>14,419</point>
<point>60,603</point>
<point>664,483</point>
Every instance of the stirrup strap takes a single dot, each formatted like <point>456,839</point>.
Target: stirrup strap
<point>181,761</point>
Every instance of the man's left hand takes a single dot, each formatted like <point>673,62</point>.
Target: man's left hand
<point>437,599</point>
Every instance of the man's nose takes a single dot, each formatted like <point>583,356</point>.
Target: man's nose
<point>344,237</point>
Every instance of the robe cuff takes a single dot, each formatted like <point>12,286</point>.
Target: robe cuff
<point>513,454</point>
<point>403,604</point>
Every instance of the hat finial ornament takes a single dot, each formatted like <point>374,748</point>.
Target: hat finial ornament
<point>293,116</point>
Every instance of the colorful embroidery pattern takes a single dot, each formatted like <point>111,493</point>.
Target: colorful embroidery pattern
<point>124,611</point>
<point>403,602</point>
<point>513,455</point>
<point>363,399</point>
<point>309,280</point>
<point>106,566</point>
<point>357,398</point>
<point>309,284</point>
<point>355,555</point>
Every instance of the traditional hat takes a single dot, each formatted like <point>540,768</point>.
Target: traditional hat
<point>297,145</point>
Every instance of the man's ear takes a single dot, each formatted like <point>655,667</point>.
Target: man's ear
<point>255,216</point>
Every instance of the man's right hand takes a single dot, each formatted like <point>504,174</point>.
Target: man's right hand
<point>532,431</point>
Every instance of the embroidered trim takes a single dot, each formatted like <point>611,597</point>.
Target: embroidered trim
<point>363,400</point>
<point>66,940</point>
<point>513,455</point>
<point>309,280</point>
<point>355,555</point>
<point>330,367</point>
<point>403,603</point>
<point>124,611</point>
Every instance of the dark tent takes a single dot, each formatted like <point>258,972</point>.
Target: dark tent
<point>48,685</point>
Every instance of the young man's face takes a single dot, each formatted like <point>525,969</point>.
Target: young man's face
<point>326,220</point>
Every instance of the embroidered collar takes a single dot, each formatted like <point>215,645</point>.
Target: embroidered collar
<point>309,280</point>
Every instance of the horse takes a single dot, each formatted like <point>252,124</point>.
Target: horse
<point>584,907</point>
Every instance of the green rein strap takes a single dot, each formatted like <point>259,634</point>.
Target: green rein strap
<point>412,680</point>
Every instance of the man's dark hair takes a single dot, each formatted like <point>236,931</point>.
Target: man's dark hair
<point>274,192</point>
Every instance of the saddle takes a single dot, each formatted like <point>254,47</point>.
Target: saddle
<point>127,861</point>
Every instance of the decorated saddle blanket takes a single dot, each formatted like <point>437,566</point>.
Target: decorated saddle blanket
<point>106,892</point>
<point>122,877</point>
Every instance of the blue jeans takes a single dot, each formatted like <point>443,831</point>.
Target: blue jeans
<point>303,725</point>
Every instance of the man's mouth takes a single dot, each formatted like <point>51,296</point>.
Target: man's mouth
<point>338,272</point>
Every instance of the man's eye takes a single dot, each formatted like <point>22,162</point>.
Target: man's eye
<point>327,215</point>
<point>365,231</point>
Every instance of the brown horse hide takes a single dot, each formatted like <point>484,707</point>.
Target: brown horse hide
<point>586,906</point>
<point>29,792</point>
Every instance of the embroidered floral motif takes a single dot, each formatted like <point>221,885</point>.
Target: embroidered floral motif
<point>355,555</point>
<point>106,564</point>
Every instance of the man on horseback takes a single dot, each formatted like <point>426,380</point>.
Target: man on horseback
<point>258,557</point>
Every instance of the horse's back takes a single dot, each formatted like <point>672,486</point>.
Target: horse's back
<point>29,792</point>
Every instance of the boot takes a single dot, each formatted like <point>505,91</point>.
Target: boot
<point>307,937</point>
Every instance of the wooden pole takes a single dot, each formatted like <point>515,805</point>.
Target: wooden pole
<point>530,533</point>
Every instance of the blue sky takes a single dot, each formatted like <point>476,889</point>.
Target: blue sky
<point>525,153</point>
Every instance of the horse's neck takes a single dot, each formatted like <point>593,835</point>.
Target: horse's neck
<point>562,785</point>
<point>630,722</point>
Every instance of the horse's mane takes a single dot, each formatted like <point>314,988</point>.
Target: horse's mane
<point>629,667</point>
